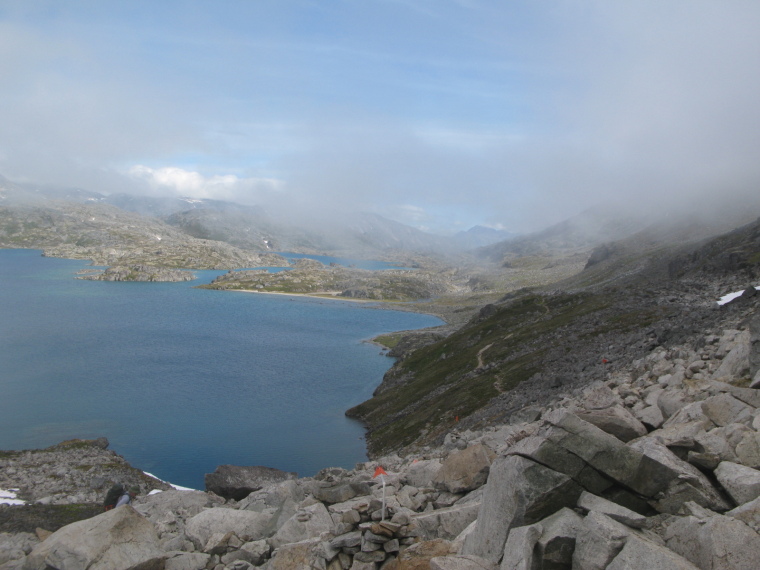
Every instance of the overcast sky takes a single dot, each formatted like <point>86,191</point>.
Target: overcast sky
<point>438,113</point>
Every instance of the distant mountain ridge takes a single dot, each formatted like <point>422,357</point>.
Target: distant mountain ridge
<point>253,228</point>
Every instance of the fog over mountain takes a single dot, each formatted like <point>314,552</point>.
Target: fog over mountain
<point>439,115</point>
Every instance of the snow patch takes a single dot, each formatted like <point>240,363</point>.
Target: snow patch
<point>731,296</point>
<point>172,485</point>
<point>8,497</point>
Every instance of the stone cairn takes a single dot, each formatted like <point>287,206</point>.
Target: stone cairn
<point>658,467</point>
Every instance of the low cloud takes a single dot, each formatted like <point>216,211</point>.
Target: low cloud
<point>515,115</point>
<point>172,180</point>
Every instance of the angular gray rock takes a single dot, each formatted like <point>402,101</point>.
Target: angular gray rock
<point>465,470</point>
<point>444,523</point>
<point>682,483</point>
<point>599,540</point>
<point>519,492</point>
<point>617,421</point>
<point>748,513</point>
<point>247,525</point>
<point>638,554</point>
<point>186,561</point>
<point>556,544</point>
<point>237,482</point>
<point>748,450</point>
<point>740,482</point>
<point>590,502</point>
<point>650,416</point>
<point>724,409</point>
<point>181,504</point>
<point>420,473</point>
<point>518,550</point>
<point>119,539</point>
<point>341,492</point>
<point>736,363</point>
<point>543,450</point>
<point>308,522</point>
<point>461,562</point>
<point>716,542</point>
<point>297,555</point>
<point>643,466</point>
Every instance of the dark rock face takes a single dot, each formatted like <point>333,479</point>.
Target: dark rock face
<point>599,254</point>
<point>754,349</point>
<point>237,482</point>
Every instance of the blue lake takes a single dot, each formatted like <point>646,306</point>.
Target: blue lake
<point>179,379</point>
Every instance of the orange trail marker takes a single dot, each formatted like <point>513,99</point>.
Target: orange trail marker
<point>379,471</point>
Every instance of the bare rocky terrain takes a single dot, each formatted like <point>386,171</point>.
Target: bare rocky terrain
<point>588,405</point>
<point>656,465</point>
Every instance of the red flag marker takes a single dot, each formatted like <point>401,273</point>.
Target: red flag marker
<point>379,471</point>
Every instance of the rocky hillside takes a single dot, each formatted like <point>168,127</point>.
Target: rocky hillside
<point>109,236</point>
<point>311,277</point>
<point>534,344</point>
<point>657,465</point>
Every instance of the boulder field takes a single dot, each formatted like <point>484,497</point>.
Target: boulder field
<point>657,467</point>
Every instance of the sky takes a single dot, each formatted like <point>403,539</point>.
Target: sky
<point>441,114</point>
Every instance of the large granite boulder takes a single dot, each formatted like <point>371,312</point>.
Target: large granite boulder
<point>714,541</point>
<point>681,482</point>
<point>724,409</point>
<point>748,513</point>
<point>419,555</point>
<point>519,492</point>
<point>421,473</point>
<point>589,502</point>
<point>308,522</point>
<point>119,539</point>
<point>341,492</point>
<point>176,506</point>
<point>297,555</point>
<point>736,363</point>
<point>247,525</point>
<point>445,523</point>
<point>237,482</point>
<point>281,500</point>
<point>556,544</point>
<point>465,470</point>
<point>639,553</point>
<point>520,547</point>
<point>742,483</point>
<point>605,544</point>
<point>616,420</point>
<point>14,546</point>
<point>643,466</point>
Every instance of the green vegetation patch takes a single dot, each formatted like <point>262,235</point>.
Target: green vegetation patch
<point>463,372</point>
<point>388,340</point>
<point>27,518</point>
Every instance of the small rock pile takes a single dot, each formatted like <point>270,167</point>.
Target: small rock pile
<point>656,467</point>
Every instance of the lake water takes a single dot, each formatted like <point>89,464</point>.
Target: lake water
<point>179,379</point>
